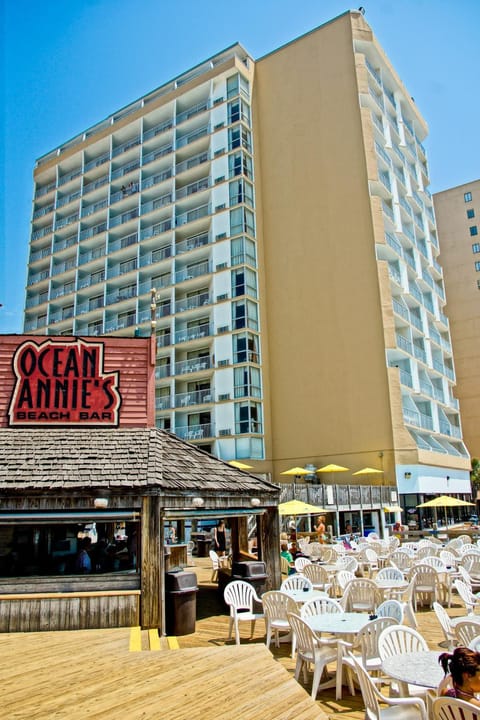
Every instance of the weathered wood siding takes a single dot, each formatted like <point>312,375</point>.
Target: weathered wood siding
<point>70,611</point>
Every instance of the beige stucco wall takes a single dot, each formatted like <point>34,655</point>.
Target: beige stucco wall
<point>321,312</point>
<point>463,300</point>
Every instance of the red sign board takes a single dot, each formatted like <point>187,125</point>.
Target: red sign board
<point>63,383</point>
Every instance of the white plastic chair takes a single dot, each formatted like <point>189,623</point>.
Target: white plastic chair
<point>400,639</point>
<point>447,708</point>
<point>447,628</point>
<point>347,562</point>
<point>410,708</point>
<point>241,598</point>
<point>318,576</point>
<point>215,565</point>
<point>311,650</point>
<point>296,582</point>
<point>389,573</point>
<point>276,606</point>
<point>465,631</point>
<point>300,563</point>
<point>318,606</point>
<point>470,600</point>
<point>391,608</point>
<point>405,598</point>
<point>367,643</point>
<point>342,578</point>
<point>361,595</point>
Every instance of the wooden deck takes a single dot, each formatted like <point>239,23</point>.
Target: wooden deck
<point>115,673</point>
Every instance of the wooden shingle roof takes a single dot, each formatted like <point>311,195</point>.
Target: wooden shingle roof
<point>120,459</point>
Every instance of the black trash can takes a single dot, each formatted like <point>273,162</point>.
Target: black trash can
<point>253,572</point>
<point>202,543</point>
<point>180,602</point>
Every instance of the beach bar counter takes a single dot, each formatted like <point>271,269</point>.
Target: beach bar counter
<point>88,488</point>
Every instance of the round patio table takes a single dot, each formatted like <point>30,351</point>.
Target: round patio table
<point>345,625</point>
<point>414,668</point>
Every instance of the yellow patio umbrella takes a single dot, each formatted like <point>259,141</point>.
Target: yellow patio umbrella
<point>239,465</point>
<point>444,501</point>
<point>332,468</point>
<point>368,471</point>
<point>392,508</point>
<point>298,507</point>
<point>296,471</point>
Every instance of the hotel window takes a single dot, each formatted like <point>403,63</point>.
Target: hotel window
<point>239,136</point>
<point>241,220</point>
<point>476,247</point>
<point>477,266</point>
<point>245,348</point>
<point>467,197</point>
<point>473,230</point>
<point>95,302</point>
<point>470,213</point>
<point>237,83</point>
<point>244,314</point>
<point>240,164</point>
<point>248,417</point>
<point>238,110</point>
<point>244,282</point>
<point>246,382</point>
<point>241,191</point>
<point>242,251</point>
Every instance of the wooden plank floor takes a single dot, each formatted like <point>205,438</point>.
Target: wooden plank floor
<point>110,674</point>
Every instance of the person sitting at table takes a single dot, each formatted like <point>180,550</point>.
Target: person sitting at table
<point>462,675</point>
<point>285,553</point>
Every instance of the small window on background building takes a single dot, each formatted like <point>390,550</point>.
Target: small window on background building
<point>473,230</point>
<point>476,247</point>
<point>477,266</point>
<point>467,196</point>
<point>470,213</point>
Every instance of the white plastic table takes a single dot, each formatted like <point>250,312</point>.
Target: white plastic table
<point>415,668</point>
<point>345,625</point>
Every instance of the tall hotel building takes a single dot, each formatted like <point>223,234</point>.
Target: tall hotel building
<point>458,215</point>
<point>279,209</point>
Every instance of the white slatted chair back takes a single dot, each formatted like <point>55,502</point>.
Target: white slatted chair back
<point>447,708</point>
<point>399,639</point>
<point>296,582</point>
<point>319,606</point>
<point>300,563</point>
<point>389,573</point>
<point>449,559</point>
<point>318,576</point>
<point>392,609</point>
<point>342,578</point>
<point>465,631</point>
<point>361,595</point>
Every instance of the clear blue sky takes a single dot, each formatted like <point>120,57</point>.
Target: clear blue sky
<point>67,64</point>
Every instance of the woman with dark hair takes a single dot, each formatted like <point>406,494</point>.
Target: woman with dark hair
<point>219,538</point>
<point>463,681</point>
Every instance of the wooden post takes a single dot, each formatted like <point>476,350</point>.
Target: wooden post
<point>153,565</point>
<point>269,544</point>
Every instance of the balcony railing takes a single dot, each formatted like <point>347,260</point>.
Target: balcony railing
<point>196,397</point>
<point>191,303</point>
<point>192,272</point>
<point>194,432</point>
<point>191,243</point>
<point>193,333</point>
<point>194,214</point>
<point>183,367</point>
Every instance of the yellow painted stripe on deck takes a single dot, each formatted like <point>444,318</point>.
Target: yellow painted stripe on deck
<point>173,643</point>
<point>135,639</point>
<point>153,639</point>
